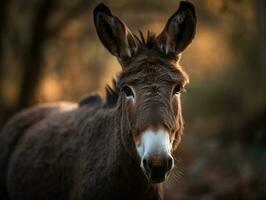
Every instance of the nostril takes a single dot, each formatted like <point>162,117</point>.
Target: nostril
<point>169,165</point>
<point>146,165</point>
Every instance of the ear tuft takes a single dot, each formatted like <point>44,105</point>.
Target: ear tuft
<point>101,8</point>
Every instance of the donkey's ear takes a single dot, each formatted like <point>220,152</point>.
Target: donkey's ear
<point>113,33</point>
<point>179,30</point>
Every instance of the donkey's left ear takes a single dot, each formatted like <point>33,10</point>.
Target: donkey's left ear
<point>179,30</point>
<point>113,33</point>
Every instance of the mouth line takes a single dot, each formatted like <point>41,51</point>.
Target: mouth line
<point>156,181</point>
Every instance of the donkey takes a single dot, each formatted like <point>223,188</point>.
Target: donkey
<point>119,147</point>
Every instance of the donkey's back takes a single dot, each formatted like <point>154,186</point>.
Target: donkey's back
<point>31,124</point>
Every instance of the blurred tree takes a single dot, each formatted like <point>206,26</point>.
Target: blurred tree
<point>27,39</point>
<point>261,7</point>
<point>3,9</point>
<point>31,65</point>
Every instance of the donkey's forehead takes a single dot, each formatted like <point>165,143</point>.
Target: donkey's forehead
<point>153,72</point>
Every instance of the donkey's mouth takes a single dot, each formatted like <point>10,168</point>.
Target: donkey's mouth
<point>157,179</point>
<point>156,175</point>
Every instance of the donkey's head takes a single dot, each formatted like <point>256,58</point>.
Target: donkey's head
<point>150,85</point>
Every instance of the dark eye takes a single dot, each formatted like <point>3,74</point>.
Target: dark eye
<point>178,89</point>
<point>128,91</point>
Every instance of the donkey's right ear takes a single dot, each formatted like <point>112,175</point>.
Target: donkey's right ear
<point>113,33</point>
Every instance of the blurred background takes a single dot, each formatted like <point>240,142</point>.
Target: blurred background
<point>49,51</point>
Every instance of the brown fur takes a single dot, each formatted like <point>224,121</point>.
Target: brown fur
<point>88,151</point>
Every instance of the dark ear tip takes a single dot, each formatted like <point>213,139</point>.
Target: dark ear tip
<point>101,8</point>
<point>186,5</point>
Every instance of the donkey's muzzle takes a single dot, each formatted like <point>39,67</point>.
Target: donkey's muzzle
<point>154,149</point>
<point>157,169</point>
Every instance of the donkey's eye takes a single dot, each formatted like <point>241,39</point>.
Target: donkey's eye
<point>178,89</point>
<point>128,91</point>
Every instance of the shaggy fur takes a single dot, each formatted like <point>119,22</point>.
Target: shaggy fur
<point>69,151</point>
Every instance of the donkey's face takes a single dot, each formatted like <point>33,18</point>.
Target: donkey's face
<point>151,97</point>
<point>150,84</point>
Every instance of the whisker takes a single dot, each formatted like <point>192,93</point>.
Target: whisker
<point>178,176</point>
<point>178,171</point>
<point>171,181</point>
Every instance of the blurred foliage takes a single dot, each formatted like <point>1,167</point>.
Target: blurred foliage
<point>49,51</point>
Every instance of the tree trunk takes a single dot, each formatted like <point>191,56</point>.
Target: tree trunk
<point>3,11</point>
<point>32,63</point>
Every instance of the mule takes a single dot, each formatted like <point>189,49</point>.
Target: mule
<point>119,147</point>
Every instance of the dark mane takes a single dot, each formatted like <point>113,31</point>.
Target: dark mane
<point>146,43</point>
<point>112,93</point>
<point>111,96</point>
<point>91,99</point>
